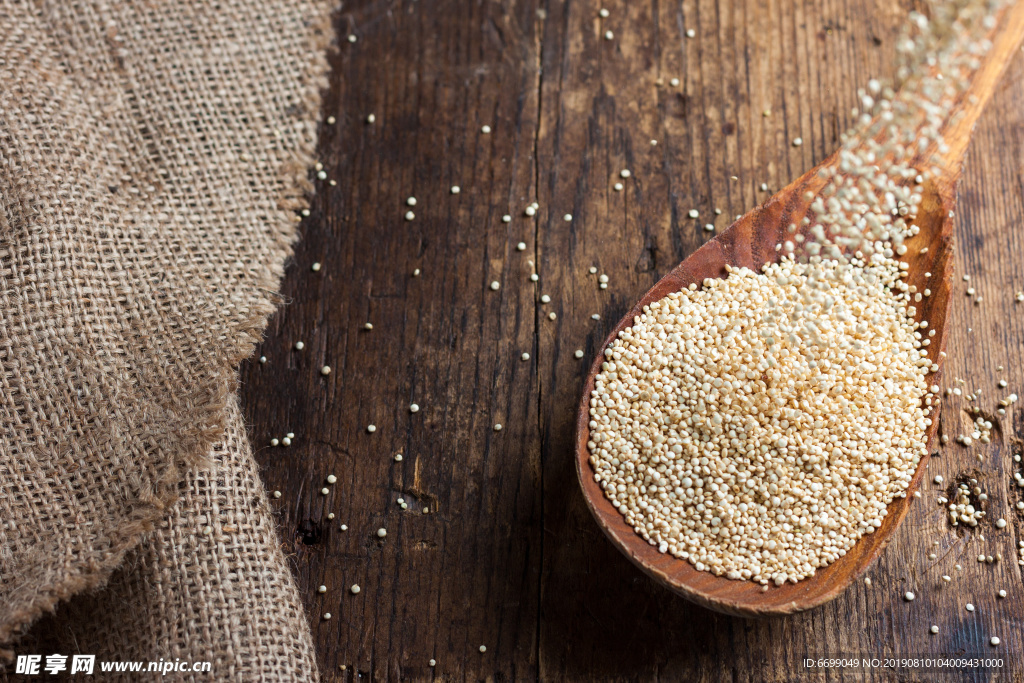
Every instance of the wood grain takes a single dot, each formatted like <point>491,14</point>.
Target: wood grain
<point>509,557</point>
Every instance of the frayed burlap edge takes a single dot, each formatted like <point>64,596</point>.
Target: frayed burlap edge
<point>196,446</point>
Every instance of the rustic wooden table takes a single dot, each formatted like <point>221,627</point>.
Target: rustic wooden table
<point>508,556</point>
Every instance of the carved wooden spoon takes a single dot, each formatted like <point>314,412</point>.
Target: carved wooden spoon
<point>751,241</point>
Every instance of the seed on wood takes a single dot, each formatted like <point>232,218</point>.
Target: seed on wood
<point>371,428</point>
<point>908,596</point>
<point>398,457</point>
<point>483,648</point>
<point>970,607</point>
<point>625,173</point>
<point>263,359</point>
<point>330,120</point>
<point>322,589</point>
<point>552,315</point>
<point>325,370</point>
<point>694,213</point>
<point>299,346</point>
<point>432,662</point>
<point>608,35</point>
<point>355,589</point>
<point>485,130</point>
<point>567,217</point>
<point>368,326</point>
<point>315,267</point>
<point>370,118</point>
<point>495,285</point>
<point>617,187</point>
<point>274,442</point>
<point>506,218</point>
<point>382,532</point>
<point>934,629</point>
<point>324,491</point>
<point>456,189</point>
<point>545,299</point>
<point>578,353</point>
<point>277,494</point>
<point>521,246</point>
<point>413,408</point>
<point>674,82</point>
<point>497,427</point>
<point>797,142</point>
<point>1000,523</point>
<point>327,615</point>
<point>525,356</point>
<point>690,33</point>
<point>409,215</point>
<point>534,277</point>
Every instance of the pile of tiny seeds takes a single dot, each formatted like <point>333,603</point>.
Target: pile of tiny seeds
<point>751,464</point>
<point>759,426</point>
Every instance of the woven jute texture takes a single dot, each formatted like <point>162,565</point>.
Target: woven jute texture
<point>152,156</point>
<point>202,587</point>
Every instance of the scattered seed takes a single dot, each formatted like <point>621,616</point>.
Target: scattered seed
<point>325,370</point>
<point>382,532</point>
<point>371,428</point>
<point>485,130</point>
<point>934,629</point>
<point>299,346</point>
<point>331,479</point>
<point>578,353</point>
<point>322,589</point>
<point>371,118</point>
<point>567,217</point>
<point>908,596</point>
<point>525,356</point>
<point>315,267</point>
<point>355,589</point>
<point>277,494</point>
<point>409,215</point>
<point>456,189</point>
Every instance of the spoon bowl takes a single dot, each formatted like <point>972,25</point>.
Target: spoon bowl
<point>753,241</point>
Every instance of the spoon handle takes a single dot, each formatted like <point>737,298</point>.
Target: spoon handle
<point>1006,39</point>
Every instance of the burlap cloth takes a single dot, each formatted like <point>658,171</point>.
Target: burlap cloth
<point>152,157</point>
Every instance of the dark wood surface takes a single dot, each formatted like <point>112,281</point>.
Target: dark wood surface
<point>509,556</point>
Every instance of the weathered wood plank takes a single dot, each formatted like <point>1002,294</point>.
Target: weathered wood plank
<point>508,556</point>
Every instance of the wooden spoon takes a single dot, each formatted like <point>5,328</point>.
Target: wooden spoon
<point>751,241</point>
